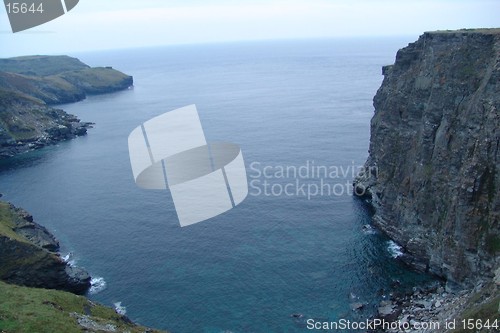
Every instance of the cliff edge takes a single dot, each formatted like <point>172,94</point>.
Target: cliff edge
<point>434,158</point>
<point>28,255</point>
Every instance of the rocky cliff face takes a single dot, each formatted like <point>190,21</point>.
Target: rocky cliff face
<point>28,255</point>
<point>434,156</point>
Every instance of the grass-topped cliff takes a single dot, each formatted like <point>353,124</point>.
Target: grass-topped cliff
<point>59,79</point>
<point>28,85</point>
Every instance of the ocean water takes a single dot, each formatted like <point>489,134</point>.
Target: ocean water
<point>274,261</point>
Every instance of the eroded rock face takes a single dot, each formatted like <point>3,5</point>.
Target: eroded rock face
<point>27,255</point>
<point>434,153</point>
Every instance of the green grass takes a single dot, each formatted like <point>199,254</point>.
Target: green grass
<point>36,310</point>
<point>474,30</point>
<point>482,306</point>
<point>7,223</point>
<point>41,65</point>
<point>94,78</point>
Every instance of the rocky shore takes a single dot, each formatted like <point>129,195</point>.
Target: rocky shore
<point>433,173</point>
<point>439,308</point>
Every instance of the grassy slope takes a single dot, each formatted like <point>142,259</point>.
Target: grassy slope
<point>94,80</point>
<point>23,117</point>
<point>483,306</point>
<point>41,65</point>
<point>41,310</point>
<point>6,223</point>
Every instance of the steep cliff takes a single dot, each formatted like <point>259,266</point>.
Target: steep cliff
<point>434,159</point>
<point>28,257</point>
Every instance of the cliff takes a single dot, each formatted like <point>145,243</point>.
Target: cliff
<point>433,171</point>
<point>28,85</point>
<point>28,255</point>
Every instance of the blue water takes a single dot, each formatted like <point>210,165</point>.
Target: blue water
<point>285,103</point>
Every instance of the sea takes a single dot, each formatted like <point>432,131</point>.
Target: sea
<point>300,247</point>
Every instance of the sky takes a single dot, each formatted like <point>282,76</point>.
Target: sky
<point>117,24</point>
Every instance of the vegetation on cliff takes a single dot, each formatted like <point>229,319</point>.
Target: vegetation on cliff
<point>25,309</point>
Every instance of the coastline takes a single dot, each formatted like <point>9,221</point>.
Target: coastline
<point>29,92</point>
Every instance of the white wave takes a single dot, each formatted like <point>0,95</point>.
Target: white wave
<point>369,230</point>
<point>68,259</point>
<point>97,284</point>
<point>120,309</point>
<point>394,249</point>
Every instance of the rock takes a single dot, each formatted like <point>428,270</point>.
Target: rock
<point>437,304</point>
<point>497,277</point>
<point>424,304</point>
<point>388,312</point>
<point>385,310</point>
<point>357,306</point>
<point>434,151</point>
<point>88,323</point>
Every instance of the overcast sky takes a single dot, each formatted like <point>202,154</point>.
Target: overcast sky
<point>110,24</point>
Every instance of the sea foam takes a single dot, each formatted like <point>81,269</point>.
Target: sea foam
<point>394,249</point>
<point>97,284</point>
<point>120,309</point>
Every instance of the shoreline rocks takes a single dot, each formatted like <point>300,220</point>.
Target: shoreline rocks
<point>29,258</point>
<point>439,309</point>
